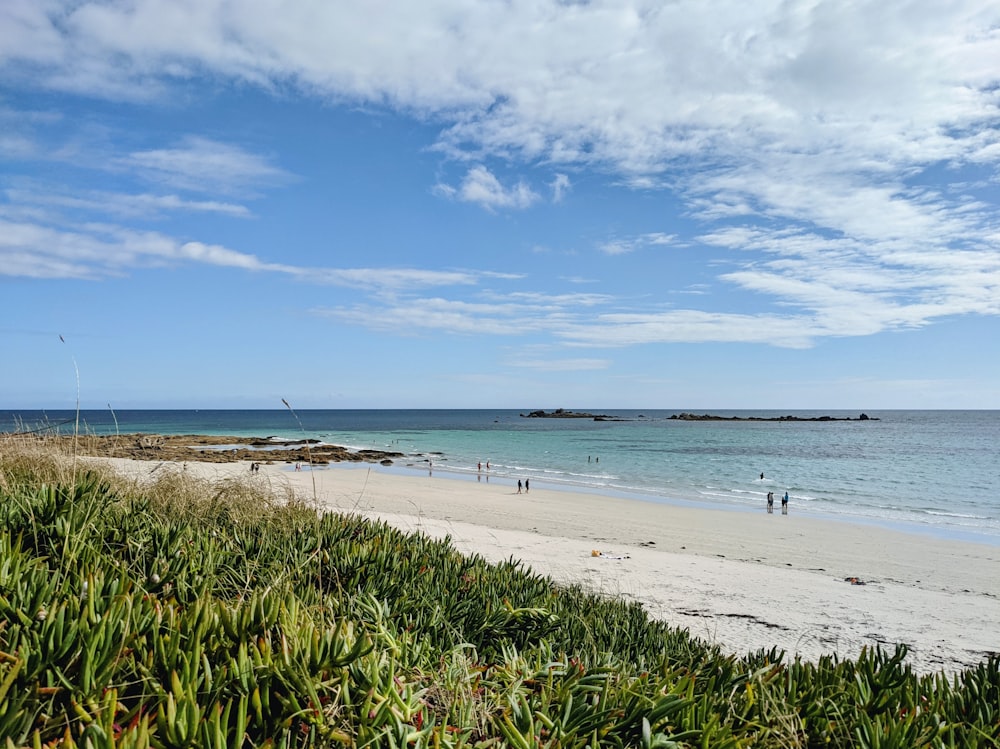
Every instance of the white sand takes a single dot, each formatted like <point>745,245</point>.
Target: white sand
<point>740,579</point>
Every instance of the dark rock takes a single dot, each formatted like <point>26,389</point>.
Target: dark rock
<point>561,413</point>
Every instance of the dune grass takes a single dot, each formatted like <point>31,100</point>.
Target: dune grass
<point>185,613</point>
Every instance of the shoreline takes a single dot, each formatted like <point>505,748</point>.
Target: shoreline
<point>918,503</point>
<point>742,580</point>
<point>935,531</point>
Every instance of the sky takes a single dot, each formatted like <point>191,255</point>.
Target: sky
<point>694,204</point>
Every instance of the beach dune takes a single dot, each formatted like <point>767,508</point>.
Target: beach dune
<point>745,581</point>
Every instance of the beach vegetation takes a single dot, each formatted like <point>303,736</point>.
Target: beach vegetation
<point>176,612</point>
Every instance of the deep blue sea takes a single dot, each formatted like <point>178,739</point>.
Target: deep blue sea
<point>934,471</point>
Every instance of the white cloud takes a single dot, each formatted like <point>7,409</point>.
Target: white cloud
<point>632,84</point>
<point>481,186</point>
<point>810,126</point>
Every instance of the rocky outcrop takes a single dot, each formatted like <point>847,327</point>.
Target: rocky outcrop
<point>561,413</point>
<point>211,449</point>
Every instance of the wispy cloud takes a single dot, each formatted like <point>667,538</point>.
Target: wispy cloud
<point>626,245</point>
<point>560,186</point>
<point>566,323</point>
<point>830,288</point>
<point>486,312</point>
<point>122,205</point>
<point>418,316</point>
<point>615,330</point>
<point>199,164</point>
<point>389,280</point>
<point>99,251</point>
<point>557,364</point>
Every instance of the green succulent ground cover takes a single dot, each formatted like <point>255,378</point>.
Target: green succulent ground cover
<point>186,614</point>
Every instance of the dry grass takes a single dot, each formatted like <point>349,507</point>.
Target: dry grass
<point>33,460</point>
<point>37,460</point>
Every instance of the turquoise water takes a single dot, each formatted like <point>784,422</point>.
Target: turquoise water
<point>936,471</point>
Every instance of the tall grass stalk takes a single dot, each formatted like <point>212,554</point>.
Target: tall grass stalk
<point>312,477</point>
<point>308,450</point>
<point>117,431</point>
<point>76,426</point>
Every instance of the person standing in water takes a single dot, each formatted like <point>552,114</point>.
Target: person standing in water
<point>784,504</point>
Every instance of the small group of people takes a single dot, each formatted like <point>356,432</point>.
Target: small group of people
<point>784,503</point>
<point>523,486</point>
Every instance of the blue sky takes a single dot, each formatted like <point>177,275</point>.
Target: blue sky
<point>457,204</point>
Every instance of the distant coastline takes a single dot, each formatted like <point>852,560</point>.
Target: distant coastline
<point>713,417</point>
<point>561,413</point>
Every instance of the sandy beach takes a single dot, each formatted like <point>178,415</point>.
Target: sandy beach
<point>740,579</point>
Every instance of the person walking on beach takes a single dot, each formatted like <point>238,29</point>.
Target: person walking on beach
<point>519,486</point>
<point>784,504</point>
<point>770,503</point>
<point>526,485</point>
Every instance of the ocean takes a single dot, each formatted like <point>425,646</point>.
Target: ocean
<point>936,472</point>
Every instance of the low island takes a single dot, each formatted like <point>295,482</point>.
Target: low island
<point>562,413</point>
